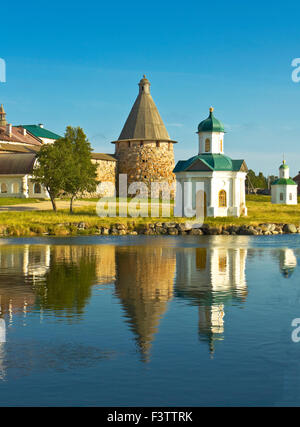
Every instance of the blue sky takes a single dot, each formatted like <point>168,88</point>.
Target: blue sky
<point>78,63</point>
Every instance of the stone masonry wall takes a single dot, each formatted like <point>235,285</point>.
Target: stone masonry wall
<point>146,162</point>
<point>106,173</point>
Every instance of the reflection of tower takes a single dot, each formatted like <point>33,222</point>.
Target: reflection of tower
<point>209,277</point>
<point>144,285</point>
<point>287,262</point>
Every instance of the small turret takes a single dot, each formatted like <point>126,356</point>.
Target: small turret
<point>2,116</point>
<point>211,135</point>
<point>284,171</point>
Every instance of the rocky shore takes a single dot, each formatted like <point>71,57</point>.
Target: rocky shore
<point>158,228</point>
<point>173,229</point>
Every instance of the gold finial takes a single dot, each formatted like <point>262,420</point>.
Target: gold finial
<point>144,76</point>
<point>211,109</point>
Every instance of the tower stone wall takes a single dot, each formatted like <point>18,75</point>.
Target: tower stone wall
<point>147,162</point>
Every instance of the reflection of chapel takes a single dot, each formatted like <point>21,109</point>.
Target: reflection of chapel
<point>210,278</point>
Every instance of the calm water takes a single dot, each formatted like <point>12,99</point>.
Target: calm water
<point>149,321</point>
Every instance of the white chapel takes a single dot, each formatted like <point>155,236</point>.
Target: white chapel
<point>221,178</point>
<point>284,189</point>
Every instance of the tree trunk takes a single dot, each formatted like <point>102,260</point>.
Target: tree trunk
<point>71,204</point>
<point>53,203</point>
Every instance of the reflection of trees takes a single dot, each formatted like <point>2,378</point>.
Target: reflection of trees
<point>56,277</point>
<point>144,286</point>
<point>66,286</point>
<point>73,270</point>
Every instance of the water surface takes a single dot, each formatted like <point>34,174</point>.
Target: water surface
<point>140,320</point>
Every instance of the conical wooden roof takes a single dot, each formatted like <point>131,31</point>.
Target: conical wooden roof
<point>144,121</point>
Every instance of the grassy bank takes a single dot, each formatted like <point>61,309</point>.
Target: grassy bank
<point>260,210</point>
<point>10,201</point>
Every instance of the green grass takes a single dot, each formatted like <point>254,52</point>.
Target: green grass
<point>260,210</point>
<point>5,201</point>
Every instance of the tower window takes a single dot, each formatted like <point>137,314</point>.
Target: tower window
<point>141,144</point>
<point>157,144</point>
<point>222,199</point>
<point>207,145</point>
<point>221,145</point>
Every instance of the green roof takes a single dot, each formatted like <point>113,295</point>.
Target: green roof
<point>283,166</point>
<point>284,181</point>
<point>207,161</point>
<point>36,130</point>
<point>211,124</point>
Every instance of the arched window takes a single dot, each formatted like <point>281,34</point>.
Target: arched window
<point>37,189</point>
<point>3,188</point>
<point>207,145</point>
<point>221,145</point>
<point>15,188</point>
<point>222,199</point>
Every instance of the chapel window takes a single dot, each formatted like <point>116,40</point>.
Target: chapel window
<point>281,196</point>
<point>222,199</point>
<point>207,145</point>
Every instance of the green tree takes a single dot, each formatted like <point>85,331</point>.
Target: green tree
<point>49,169</point>
<point>258,181</point>
<point>79,172</point>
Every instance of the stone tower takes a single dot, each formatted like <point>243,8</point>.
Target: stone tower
<point>2,116</point>
<point>144,149</point>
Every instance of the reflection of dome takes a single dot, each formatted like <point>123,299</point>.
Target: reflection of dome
<point>287,272</point>
<point>287,262</point>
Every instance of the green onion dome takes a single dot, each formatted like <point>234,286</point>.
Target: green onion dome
<point>284,165</point>
<point>211,124</point>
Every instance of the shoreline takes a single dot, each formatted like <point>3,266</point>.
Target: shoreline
<point>150,229</point>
